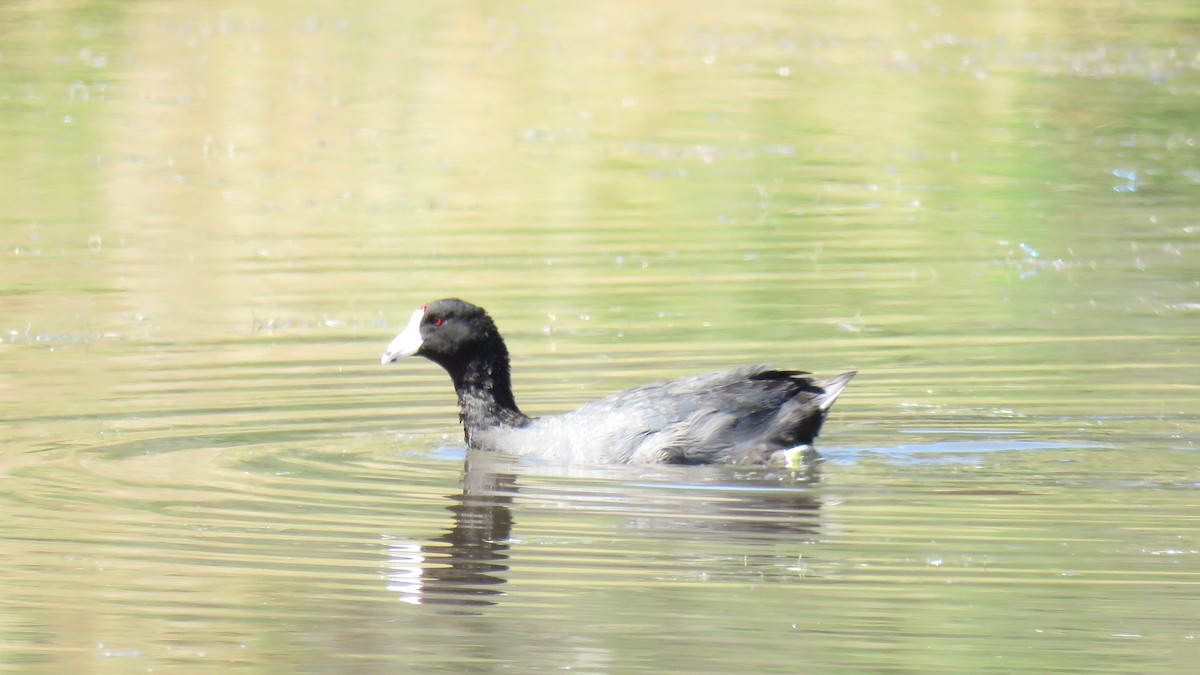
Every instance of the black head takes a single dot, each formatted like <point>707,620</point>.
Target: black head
<point>448,332</point>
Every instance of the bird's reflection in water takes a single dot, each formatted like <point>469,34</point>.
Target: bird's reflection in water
<point>462,566</point>
<point>740,503</point>
<point>465,566</point>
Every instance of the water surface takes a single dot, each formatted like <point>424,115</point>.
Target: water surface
<point>217,215</point>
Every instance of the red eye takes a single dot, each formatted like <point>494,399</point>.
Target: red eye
<point>437,321</point>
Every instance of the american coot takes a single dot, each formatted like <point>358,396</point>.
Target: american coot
<point>752,414</point>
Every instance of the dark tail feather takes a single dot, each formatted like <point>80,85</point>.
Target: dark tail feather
<point>800,421</point>
<point>832,389</point>
<point>799,429</point>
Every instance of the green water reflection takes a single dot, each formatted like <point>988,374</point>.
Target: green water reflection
<point>216,214</point>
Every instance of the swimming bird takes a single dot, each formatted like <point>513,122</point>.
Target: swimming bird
<point>751,414</point>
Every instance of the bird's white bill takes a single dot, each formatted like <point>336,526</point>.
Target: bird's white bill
<point>407,342</point>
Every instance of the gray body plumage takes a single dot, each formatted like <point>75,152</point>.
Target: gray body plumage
<point>744,415</point>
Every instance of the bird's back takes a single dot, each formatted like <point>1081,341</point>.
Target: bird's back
<point>740,415</point>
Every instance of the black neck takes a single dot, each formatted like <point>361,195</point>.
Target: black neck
<point>484,387</point>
